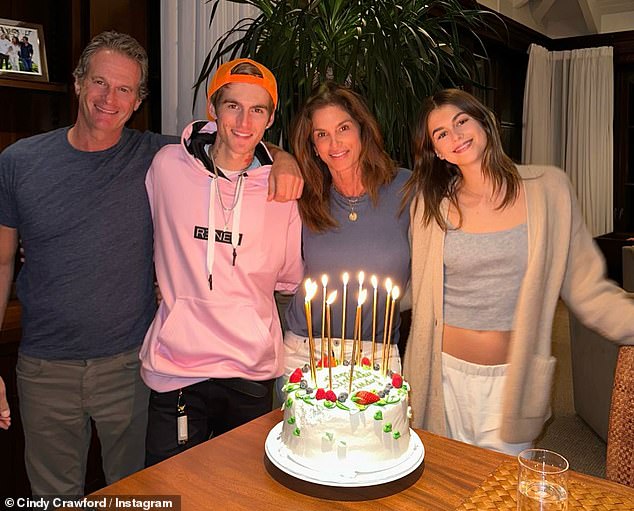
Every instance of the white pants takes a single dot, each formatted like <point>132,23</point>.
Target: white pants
<point>473,404</point>
<point>296,354</point>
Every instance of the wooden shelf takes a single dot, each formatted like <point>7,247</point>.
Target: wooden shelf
<point>34,85</point>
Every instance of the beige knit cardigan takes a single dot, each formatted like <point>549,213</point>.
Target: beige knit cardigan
<point>562,261</point>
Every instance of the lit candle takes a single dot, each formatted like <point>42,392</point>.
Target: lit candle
<point>395,293</point>
<point>345,278</point>
<point>356,341</point>
<point>310,288</point>
<point>388,289</point>
<point>375,284</point>
<point>324,283</point>
<point>331,298</point>
<point>361,278</point>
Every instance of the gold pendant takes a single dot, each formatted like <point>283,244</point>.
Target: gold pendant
<point>352,216</point>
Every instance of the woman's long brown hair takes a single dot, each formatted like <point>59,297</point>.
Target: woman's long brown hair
<point>434,179</point>
<point>377,168</point>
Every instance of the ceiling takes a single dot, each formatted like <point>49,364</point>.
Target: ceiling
<point>568,18</point>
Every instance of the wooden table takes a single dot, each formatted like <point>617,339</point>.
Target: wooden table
<point>232,472</point>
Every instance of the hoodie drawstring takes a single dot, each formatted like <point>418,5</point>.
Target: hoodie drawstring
<point>235,209</point>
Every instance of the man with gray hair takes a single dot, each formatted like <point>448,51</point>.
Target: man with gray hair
<point>76,195</point>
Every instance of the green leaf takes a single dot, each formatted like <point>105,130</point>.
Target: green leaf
<point>329,404</point>
<point>387,428</point>
<point>402,50</point>
<point>378,416</point>
<point>341,406</point>
<point>296,432</point>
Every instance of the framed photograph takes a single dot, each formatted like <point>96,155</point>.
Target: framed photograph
<point>22,52</point>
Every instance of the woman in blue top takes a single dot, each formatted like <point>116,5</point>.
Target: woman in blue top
<point>352,222</point>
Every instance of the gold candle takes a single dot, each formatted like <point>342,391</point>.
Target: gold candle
<point>310,288</point>
<point>345,277</point>
<point>331,298</point>
<point>356,341</point>
<point>324,283</point>
<point>395,293</point>
<point>361,278</point>
<point>375,284</point>
<point>388,289</point>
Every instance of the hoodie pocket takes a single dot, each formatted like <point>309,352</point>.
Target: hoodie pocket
<point>200,334</point>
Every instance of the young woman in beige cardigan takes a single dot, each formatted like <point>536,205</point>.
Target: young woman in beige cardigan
<point>494,245</point>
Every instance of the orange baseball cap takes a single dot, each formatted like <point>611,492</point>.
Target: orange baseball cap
<point>223,76</point>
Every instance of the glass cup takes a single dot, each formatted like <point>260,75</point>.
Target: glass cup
<point>542,481</point>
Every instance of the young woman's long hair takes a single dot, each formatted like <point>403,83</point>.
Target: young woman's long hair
<point>434,179</point>
<point>377,168</point>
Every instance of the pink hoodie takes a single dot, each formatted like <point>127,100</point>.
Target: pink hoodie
<point>233,329</point>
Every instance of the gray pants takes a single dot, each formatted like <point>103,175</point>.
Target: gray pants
<point>57,400</point>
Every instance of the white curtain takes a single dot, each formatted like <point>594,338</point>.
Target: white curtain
<point>186,38</point>
<point>568,115</point>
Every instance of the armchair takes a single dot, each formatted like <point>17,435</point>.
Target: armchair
<point>594,362</point>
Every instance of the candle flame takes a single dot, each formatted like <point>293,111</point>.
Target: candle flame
<point>361,278</point>
<point>345,278</point>
<point>375,281</point>
<point>331,297</point>
<point>324,280</point>
<point>362,296</point>
<point>311,289</point>
<point>395,292</point>
<point>388,285</point>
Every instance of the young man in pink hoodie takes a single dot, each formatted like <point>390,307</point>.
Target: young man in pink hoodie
<point>214,349</point>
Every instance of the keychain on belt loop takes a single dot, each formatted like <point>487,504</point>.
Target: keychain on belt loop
<point>181,419</point>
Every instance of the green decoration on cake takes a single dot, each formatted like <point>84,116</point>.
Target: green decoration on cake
<point>338,424</point>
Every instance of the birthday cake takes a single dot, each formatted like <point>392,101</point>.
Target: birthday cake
<point>332,424</point>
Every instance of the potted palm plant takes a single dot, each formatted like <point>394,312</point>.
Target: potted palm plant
<point>394,52</point>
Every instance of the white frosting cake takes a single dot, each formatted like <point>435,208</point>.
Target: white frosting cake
<point>368,427</point>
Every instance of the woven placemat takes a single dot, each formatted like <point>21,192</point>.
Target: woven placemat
<point>499,490</point>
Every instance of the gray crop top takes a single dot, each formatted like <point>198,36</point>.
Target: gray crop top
<point>482,277</point>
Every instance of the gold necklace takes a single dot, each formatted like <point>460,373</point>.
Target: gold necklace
<point>352,203</point>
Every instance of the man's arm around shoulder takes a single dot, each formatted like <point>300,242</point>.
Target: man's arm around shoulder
<point>285,181</point>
